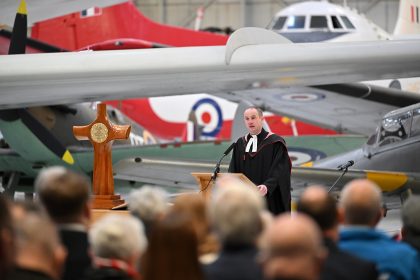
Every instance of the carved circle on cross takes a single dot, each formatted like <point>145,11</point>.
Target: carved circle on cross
<point>99,132</point>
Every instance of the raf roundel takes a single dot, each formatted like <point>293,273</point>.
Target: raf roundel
<point>209,116</point>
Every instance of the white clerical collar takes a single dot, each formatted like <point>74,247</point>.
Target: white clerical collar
<point>253,141</point>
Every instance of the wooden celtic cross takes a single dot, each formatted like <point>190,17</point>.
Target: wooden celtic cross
<point>102,133</point>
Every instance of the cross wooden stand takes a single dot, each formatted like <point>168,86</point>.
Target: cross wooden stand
<point>102,133</point>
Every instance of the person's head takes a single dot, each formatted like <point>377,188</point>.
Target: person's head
<point>295,249</point>
<point>38,243</point>
<point>235,212</point>
<point>361,203</point>
<point>64,194</point>
<point>148,203</point>
<point>172,251</point>
<point>118,237</point>
<point>253,117</point>
<point>194,205</point>
<point>7,242</point>
<point>411,222</point>
<point>318,204</point>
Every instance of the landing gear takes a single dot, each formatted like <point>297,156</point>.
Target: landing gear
<point>10,181</point>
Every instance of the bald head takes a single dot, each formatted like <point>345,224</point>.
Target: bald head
<point>317,203</point>
<point>295,249</point>
<point>361,202</point>
<point>253,118</point>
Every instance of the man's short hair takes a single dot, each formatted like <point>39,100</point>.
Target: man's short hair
<point>411,221</point>
<point>64,193</point>
<point>323,211</point>
<point>259,111</point>
<point>148,203</point>
<point>35,228</point>
<point>117,237</point>
<point>235,211</point>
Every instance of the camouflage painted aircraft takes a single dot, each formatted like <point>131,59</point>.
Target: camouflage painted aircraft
<point>36,137</point>
<point>252,59</point>
<point>389,157</point>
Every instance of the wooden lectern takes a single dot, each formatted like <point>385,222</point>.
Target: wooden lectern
<point>203,180</point>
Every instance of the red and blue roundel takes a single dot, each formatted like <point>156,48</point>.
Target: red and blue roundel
<point>209,116</point>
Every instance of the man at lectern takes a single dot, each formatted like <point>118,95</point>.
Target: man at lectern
<point>263,158</point>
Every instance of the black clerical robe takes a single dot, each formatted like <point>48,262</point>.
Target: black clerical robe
<point>270,165</point>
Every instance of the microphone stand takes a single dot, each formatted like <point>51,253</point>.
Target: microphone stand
<point>339,178</point>
<point>217,169</point>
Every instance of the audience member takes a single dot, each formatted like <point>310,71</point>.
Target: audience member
<point>172,252</point>
<point>321,207</point>
<point>194,205</point>
<point>117,243</point>
<point>267,219</point>
<point>39,254</point>
<point>411,222</point>
<point>360,204</point>
<point>149,204</point>
<point>235,212</point>
<point>295,249</point>
<point>66,197</point>
<point>7,244</point>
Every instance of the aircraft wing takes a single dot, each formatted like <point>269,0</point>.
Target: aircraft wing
<point>346,108</point>
<point>58,78</point>
<point>389,182</point>
<point>172,165</point>
<point>177,174</point>
<point>168,173</point>
<point>40,10</point>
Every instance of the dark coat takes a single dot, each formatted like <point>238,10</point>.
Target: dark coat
<point>343,266</point>
<point>78,259</point>
<point>270,165</point>
<point>234,263</point>
<point>27,274</point>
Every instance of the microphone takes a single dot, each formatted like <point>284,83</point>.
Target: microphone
<point>217,169</point>
<point>345,165</point>
<point>229,149</point>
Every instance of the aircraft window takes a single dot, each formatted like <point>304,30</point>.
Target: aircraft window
<point>395,129</point>
<point>279,23</point>
<point>347,22</point>
<point>319,22</point>
<point>415,126</point>
<point>336,23</point>
<point>395,84</point>
<point>372,139</point>
<point>295,22</point>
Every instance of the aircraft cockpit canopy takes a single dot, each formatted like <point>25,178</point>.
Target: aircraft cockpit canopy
<point>307,23</point>
<point>396,126</point>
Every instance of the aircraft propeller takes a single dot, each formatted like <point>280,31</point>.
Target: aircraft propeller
<point>18,46</point>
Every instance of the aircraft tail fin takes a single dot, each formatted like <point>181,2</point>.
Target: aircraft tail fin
<point>192,130</point>
<point>408,22</point>
<point>121,23</point>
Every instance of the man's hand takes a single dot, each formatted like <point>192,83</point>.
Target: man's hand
<point>262,189</point>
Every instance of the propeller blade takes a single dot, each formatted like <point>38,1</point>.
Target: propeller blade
<point>18,46</point>
<point>45,136</point>
<point>18,40</point>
